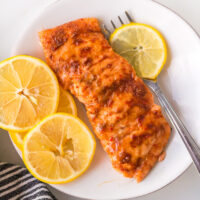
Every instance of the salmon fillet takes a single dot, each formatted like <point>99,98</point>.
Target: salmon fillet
<point>121,109</point>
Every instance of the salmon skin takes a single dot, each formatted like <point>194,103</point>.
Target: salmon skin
<point>120,107</point>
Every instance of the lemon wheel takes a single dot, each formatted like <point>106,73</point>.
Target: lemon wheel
<point>58,149</point>
<point>66,103</point>
<point>143,46</point>
<point>29,91</point>
<point>17,138</point>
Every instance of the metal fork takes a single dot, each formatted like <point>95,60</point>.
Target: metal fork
<point>189,142</point>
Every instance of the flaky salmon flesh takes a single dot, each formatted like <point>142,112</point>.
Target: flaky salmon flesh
<point>120,107</point>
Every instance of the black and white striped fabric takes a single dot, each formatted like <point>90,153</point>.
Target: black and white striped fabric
<point>16,183</point>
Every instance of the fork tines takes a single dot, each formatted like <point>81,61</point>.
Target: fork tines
<point>130,19</point>
<point>107,32</point>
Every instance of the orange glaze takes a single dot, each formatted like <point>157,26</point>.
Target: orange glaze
<point>131,128</point>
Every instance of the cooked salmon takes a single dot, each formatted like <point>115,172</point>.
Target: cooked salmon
<point>120,107</point>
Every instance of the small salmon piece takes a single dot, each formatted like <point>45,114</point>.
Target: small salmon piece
<point>120,107</point>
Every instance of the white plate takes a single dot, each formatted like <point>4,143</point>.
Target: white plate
<point>179,80</point>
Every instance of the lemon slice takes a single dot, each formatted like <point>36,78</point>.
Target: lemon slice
<point>66,104</point>
<point>58,149</point>
<point>17,138</point>
<point>29,91</point>
<point>143,46</point>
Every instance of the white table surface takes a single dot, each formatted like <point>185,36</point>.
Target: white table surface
<point>15,14</point>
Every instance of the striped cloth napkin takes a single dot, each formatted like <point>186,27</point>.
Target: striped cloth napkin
<point>16,183</point>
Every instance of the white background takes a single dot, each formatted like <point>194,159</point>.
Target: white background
<point>15,14</point>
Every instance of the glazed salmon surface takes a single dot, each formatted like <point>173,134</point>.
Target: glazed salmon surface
<point>121,109</point>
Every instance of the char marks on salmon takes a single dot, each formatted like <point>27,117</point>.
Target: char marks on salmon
<point>120,107</point>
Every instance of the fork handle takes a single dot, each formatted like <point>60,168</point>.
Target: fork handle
<point>189,142</point>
